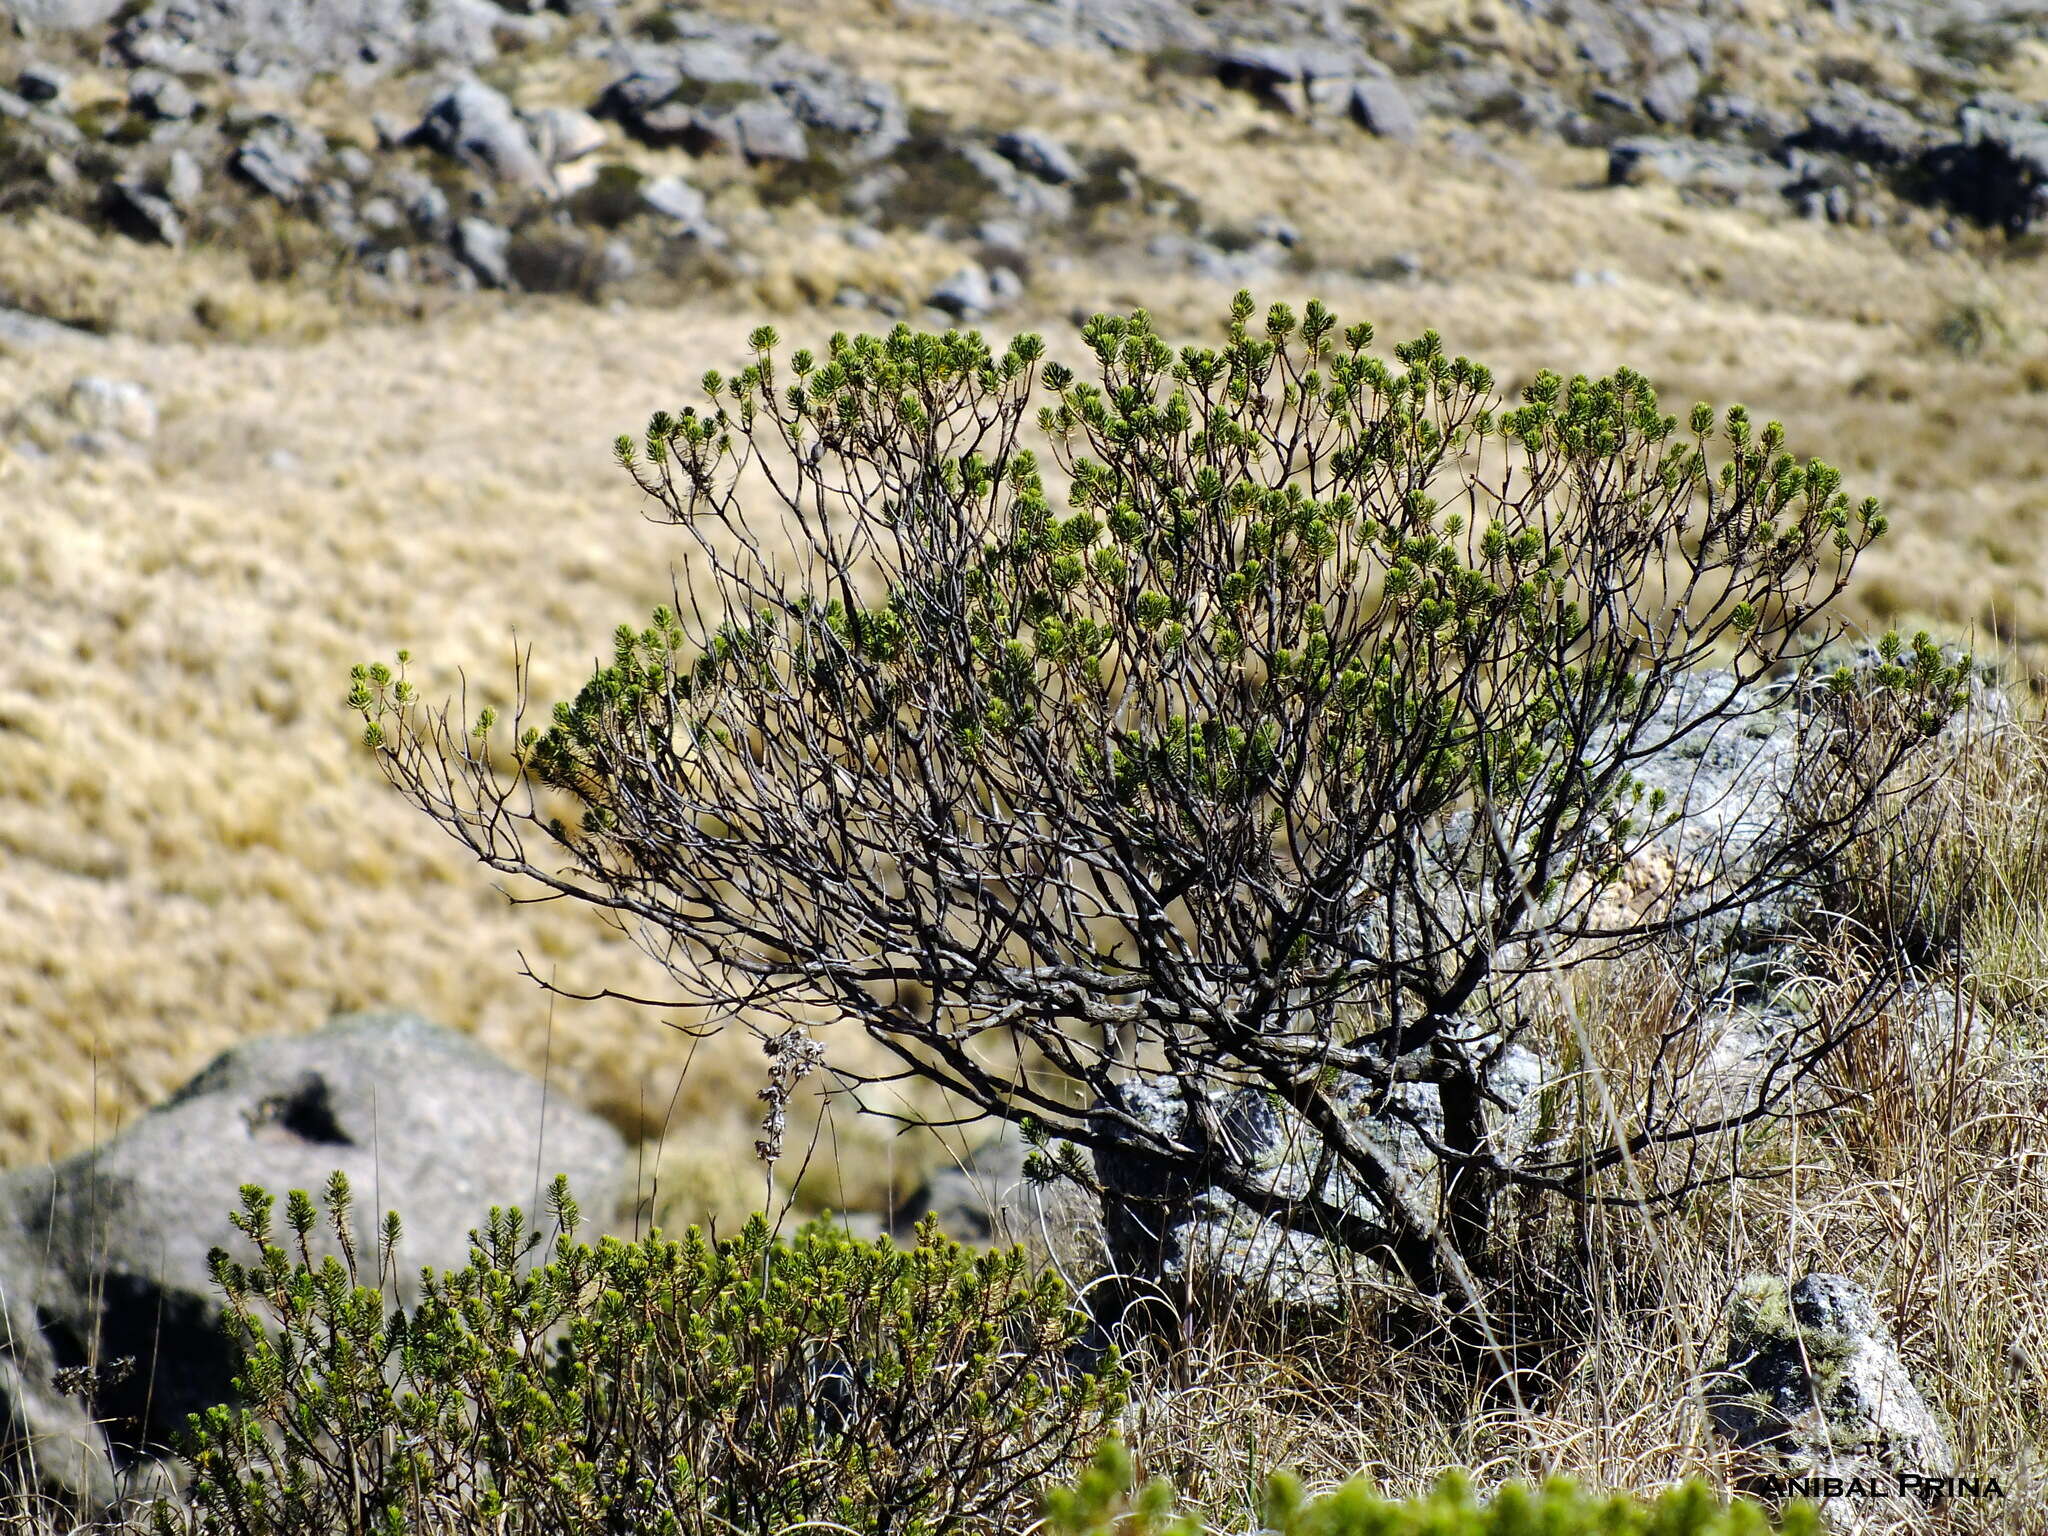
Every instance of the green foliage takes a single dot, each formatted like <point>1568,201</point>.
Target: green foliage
<point>1102,1503</point>
<point>657,1386</point>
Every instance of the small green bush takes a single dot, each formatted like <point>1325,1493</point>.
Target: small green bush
<point>1102,1504</point>
<point>749,1385</point>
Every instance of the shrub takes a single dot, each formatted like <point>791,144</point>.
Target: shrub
<point>1303,737</point>
<point>1101,1504</point>
<point>753,1385</point>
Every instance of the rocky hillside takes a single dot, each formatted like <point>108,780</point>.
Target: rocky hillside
<point>315,321</point>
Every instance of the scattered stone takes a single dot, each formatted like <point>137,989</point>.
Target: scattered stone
<point>483,248</point>
<point>277,158</point>
<point>1381,107</point>
<point>1813,1386</point>
<point>472,123</point>
<point>674,198</point>
<point>967,295</point>
<point>1852,122</point>
<point>183,180</point>
<point>562,134</point>
<point>767,130</point>
<point>40,83</point>
<point>984,1198</point>
<point>425,204</point>
<point>143,215</point>
<point>354,162</point>
<point>380,215</point>
<point>21,329</point>
<point>1671,92</point>
<point>284,46</point>
<point>64,15</point>
<point>120,407</point>
<point>160,97</point>
<point>104,1256</point>
<point>1040,155</point>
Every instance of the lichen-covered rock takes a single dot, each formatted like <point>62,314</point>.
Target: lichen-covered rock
<point>103,1257</point>
<point>1184,1236</point>
<point>1813,1386</point>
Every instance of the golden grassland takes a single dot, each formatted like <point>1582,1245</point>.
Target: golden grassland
<point>196,848</point>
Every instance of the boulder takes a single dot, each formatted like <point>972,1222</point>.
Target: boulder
<point>1040,155</point>
<point>484,249</point>
<point>1813,1386</point>
<point>1381,107</point>
<point>472,123</point>
<point>1996,170</point>
<point>64,15</point>
<point>1184,1236</point>
<point>103,1257</point>
<point>119,407</point>
<point>142,214</point>
<point>984,1198</point>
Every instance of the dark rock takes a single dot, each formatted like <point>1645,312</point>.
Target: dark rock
<point>142,214</point>
<point>1742,120</point>
<point>1996,172</point>
<point>1381,107</point>
<point>483,247</point>
<point>472,123</point>
<point>103,1257</point>
<point>39,82</point>
<point>1040,155</point>
<point>1813,1386</point>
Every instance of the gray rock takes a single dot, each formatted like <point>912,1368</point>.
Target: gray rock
<point>21,329</point>
<point>1671,92</point>
<point>563,134</point>
<point>1178,1234</point>
<point>118,407</point>
<point>63,15</point>
<point>1813,1386</point>
<point>380,215</point>
<point>426,205</point>
<point>767,130</point>
<point>103,1257</point>
<point>286,44</point>
<point>39,82</point>
<point>985,1198</point>
<point>1040,155</point>
<point>183,180</point>
<point>141,214</point>
<point>484,248</point>
<point>1850,121</point>
<point>674,198</point>
<point>161,97</point>
<point>278,157</point>
<point>472,123</point>
<point>731,85</point>
<point>1381,107</point>
<point>1720,171</point>
<point>967,295</point>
